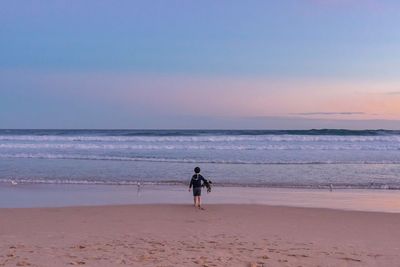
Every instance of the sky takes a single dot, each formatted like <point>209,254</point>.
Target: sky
<point>200,64</point>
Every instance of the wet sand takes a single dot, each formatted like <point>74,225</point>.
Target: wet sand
<point>65,195</point>
<point>179,235</point>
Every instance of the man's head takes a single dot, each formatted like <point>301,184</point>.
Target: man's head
<point>197,170</point>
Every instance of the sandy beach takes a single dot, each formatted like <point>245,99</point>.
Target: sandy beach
<point>179,235</point>
<point>200,133</point>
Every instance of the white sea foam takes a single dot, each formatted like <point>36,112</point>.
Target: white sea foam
<point>181,160</point>
<point>182,182</point>
<point>177,146</point>
<point>207,138</point>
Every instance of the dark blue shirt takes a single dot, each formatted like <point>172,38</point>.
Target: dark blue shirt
<point>196,181</point>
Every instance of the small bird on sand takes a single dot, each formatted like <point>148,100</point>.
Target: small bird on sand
<point>13,182</point>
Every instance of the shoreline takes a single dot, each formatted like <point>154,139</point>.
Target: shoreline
<point>180,235</point>
<point>62,195</point>
<point>327,186</point>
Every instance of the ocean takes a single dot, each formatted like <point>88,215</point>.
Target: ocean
<point>248,158</point>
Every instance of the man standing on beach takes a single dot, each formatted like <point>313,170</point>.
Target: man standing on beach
<point>197,184</point>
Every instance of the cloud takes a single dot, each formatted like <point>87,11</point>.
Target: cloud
<point>328,113</point>
<point>393,93</point>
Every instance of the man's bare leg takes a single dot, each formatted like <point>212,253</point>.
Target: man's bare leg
<point>200,207</point>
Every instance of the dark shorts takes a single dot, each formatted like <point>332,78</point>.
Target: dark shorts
<point>196,191</point>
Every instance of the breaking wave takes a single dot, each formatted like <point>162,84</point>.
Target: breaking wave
<point>207,139</point>
<point>181,160</point>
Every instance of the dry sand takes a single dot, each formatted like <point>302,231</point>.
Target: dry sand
<point>179,235</point>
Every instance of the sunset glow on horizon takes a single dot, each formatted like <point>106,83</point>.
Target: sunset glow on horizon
<point>150,64</point>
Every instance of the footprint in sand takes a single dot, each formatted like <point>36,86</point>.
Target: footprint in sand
<point>23,263</point>
<point>298,255</point>
<point>350,259</point>
<point>256,264</point>
<point>77,263</point>
<point>121,261</point>
<point>265,257</point>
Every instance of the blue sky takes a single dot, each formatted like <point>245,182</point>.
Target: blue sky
<point>208,64</point>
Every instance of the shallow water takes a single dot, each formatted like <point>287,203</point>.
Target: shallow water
<point>63,195</point>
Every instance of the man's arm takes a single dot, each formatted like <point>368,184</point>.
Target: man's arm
<point>191,183</point>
